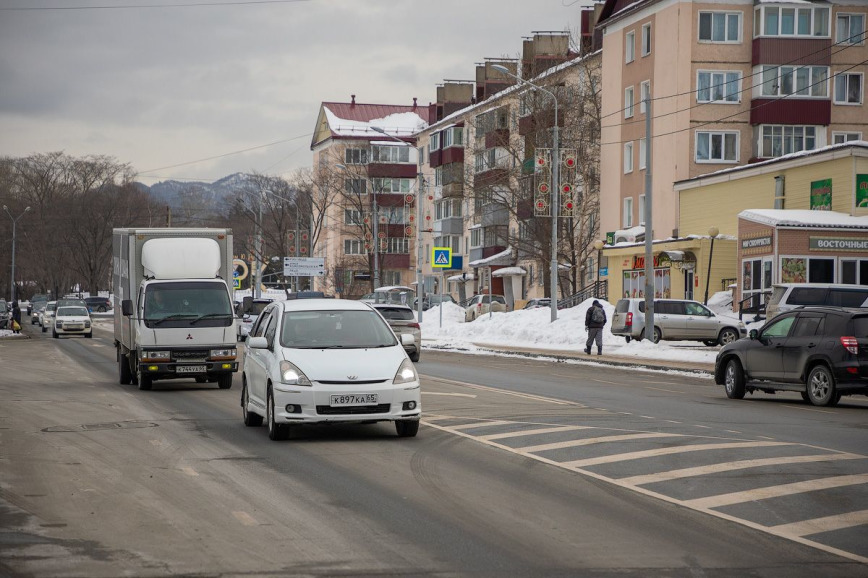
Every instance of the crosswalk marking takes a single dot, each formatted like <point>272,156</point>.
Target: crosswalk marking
<point>827,524</point>
<point>515,434</point>
<point>597,440</point>
<point>667,451</point>
<point>481,424</point>
<point>777,491</point>
<point>731,466</point>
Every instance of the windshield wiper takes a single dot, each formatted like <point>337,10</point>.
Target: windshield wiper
<point>170,318</point>
<point>211,316</point>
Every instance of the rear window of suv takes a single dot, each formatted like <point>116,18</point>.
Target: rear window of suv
<point>847,297</point>
<point>860,326</point>
<point>396,313</point>
<point>808,296</point>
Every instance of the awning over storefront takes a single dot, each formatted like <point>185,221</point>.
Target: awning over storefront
<point>506,257</point>
<point>509,271</point>
<point>462,278</point>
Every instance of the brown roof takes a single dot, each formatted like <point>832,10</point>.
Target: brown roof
<point>366,112</point>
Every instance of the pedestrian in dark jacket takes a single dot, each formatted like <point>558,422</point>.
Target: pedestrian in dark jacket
<point>595,320</point>
<point>16,317</point>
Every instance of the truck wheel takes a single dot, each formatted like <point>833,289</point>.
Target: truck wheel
<point>44,329</point>
<point>145,381</point>
<point>224,381</point>
<point>54,333</point>
<point>125,376</point>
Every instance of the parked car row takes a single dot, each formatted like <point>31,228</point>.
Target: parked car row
<point>675,320</point>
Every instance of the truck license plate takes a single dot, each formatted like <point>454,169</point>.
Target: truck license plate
<point>354,399</point>
<point>190,369</point>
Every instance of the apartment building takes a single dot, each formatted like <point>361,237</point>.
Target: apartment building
<point>365,165</point>
<point>732,82</point>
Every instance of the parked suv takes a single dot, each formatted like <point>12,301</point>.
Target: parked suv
<point>675,320</point>
<point>480,304</point>
<point>821,352</point>
<point>5,314</point>
<point>788,296</point>
<point>401,319</point>
<point>98,304</point>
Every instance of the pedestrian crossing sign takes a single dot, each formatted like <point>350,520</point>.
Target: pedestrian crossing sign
<point>441,257</point>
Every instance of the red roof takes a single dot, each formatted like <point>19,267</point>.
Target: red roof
<point>367,112</point>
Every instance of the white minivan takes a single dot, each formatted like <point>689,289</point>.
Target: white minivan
<point>310,361</point>
<point>788,296</point>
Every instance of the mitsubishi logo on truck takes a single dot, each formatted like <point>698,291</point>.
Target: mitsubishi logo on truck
<point>189,336</point>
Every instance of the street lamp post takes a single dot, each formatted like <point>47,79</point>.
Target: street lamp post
<point>556,162</point>
<point>712,232</point>
<point>14,223</point>
<point>420,290</point>
<point>598,245</point>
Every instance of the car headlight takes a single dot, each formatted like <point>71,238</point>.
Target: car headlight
<point>292,375</point>
<point>86,324</point>
<point>156,355</point>
<point>406,373</point>
<point>223,354</point>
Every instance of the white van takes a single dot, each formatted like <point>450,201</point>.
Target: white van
<point>788,296</point>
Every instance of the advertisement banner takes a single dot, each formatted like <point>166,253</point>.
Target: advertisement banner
<point>821,195</point>
<point>862,191</point>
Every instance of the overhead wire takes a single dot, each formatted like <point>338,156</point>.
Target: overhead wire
<point>147,6</point>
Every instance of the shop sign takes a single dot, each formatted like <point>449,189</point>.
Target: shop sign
<point>821,195</point>
<point>639,262</point>
<point>862,191</point>
<point>837,244</point>
<point>756,242</point>
<point>610,238</point>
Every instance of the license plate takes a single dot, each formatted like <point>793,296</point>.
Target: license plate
<point>190,369</point>
<point>354,399</point>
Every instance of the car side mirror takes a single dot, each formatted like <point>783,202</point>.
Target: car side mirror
<point>127,307</point>
<point>407,339</point>
<point>753,334</point>
<point>257,343</point>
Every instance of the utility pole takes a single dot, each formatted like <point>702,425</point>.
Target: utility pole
<point>649,257</point>
<point>14,223</point>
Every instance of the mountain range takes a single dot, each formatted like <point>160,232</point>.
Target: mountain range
<point>181,194</point>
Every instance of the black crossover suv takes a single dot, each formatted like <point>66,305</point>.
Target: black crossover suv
<point>821,352</point>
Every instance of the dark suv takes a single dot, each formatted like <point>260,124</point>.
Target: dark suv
<point>100,304</point>
<point>821,352</point>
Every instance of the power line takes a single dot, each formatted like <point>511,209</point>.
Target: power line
<point>706,123</point>
<point>712,87</point>
<point>848,42</point>
<point>147,6</point>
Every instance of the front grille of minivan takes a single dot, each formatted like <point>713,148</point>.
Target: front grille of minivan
<point>353,410</point>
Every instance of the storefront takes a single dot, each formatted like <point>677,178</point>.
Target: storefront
<point>798,246</point>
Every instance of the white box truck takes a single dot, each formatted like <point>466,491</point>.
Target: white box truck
<point>173,306</point>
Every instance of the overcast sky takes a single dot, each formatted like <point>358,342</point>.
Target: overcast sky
<point>161,86</point>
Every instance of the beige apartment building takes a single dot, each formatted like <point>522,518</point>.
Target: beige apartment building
<point>732,82</point>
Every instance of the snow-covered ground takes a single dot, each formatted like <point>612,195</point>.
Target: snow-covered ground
<point>532,328</point>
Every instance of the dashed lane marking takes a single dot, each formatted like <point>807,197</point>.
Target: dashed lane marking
<point>505,392</point>
<point>827,524</point>
<point>667,451</point>
<point>189,471</point>
<point>245,518</point>
<point>597,440</point>
<point>481,424</point>
<point>448,394</point>
<point>814,409</point>
<point>666,390</point>
<point>777,491</point>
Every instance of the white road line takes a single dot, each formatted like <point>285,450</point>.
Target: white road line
<point>448,394</point>
<point>731,466</point>
<point>515,434</point>
<point>661,389</point>
<point>808,409</point>
<point>245,518</point>
<point>591,441</point>
<point>827,524</point>
<point>668,451</point>
<point>481,424</point>
<point>777,491</point>
<point>504,392</point>
<point>189,471</point>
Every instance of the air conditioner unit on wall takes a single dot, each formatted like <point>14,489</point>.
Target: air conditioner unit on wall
<point>625,238</point>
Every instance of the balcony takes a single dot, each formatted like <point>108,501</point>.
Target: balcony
<point>494,214</point>
<point>792,50</point>
<point>785,111</point>
<point>394,261</point>
<point>452,154</point>
<point>452,226</point>
<point>497,138</point>
<point>453,190</point>
<point>391,170</point>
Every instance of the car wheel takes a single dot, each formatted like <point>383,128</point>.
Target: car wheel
<point>276,431</point>
<point>806,397</point>
<point>145,381</point>
<point>629,339</point>
<point>44,328</point>
<point>710,342</point>
<point>250,419</point>
<point>125,376</point>
<point>407,428</point>
<point>101,309</point>
<point>657,335</point>
<point>727,335</point>
<point>414,357</point>
<point>733,379</point>
<point>224,381</point>
<point>89,335</point>
<point>54,333</point>
<point>821,386</point>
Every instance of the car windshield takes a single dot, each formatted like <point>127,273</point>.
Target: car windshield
<point>187,304</point>
<point>72,311</point>
<point>335,330</point>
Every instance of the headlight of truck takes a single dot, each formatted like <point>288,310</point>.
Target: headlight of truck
<point>86,324</point>
<point>406,373</point>
<point>223,354</point>
<point>156,355</point>
<point>292,375</point>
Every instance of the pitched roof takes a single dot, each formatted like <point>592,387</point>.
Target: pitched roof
<point>354,120</point>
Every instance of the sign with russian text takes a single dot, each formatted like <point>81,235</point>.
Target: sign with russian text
<point>303,266</point>
<point>837,244</point>
<point>862,191</point>
<point>821,195</point>
<point>757,242</point>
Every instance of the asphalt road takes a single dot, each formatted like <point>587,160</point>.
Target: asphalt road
<point>521,468</point>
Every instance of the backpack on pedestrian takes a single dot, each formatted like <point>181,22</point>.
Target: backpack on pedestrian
<point>598,315</point>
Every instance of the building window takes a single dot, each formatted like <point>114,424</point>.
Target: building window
<point>356,156</point>
<point>770,20</point>
<point>630,47</point>
<point>421,152</point>
<point>434,143</point>
<point>848,88</point>
<point>850,28</point>
<point>720,26</point>
<point>779,140</point>
<point>385,185</point>
<point>628,213</point>
<point>718,86</point>
<point>809,81</point>
<point>628,102</point>
<point>390,278</point>
<point>644,94</point>
<point>628,157</point>
<point>780,192</point>
<point>354,247</point>
<point>398,245</point>
<point>352,217</point>
<point>451,241</point>
<point>641,209</point>
<point>646,39</point>
<point>356,186</point>
<point>842,137</point>
<point>643,154</point>
<point>716,147</point>
<point>476,237</point>
<point>390,154</point>
<point>453,137</point>
<point>446,209</point>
